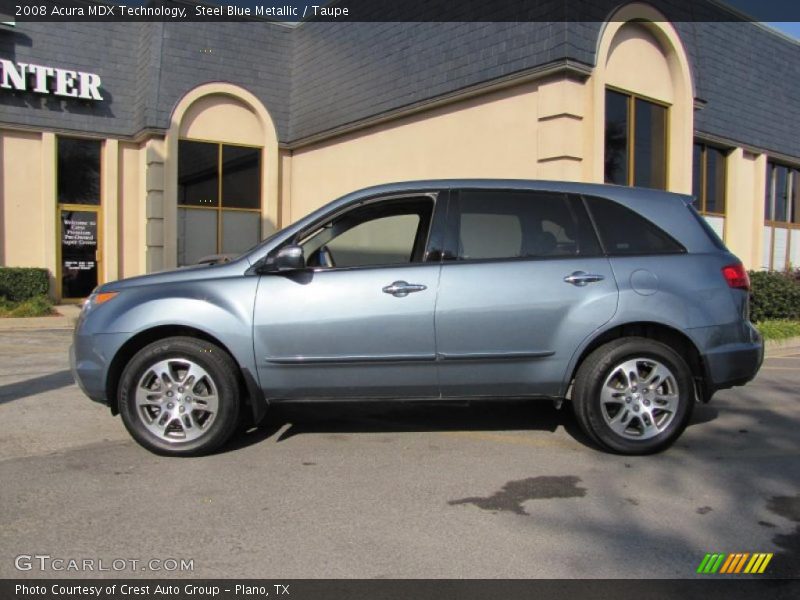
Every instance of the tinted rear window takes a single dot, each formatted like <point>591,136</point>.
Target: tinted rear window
<point>623,232</point>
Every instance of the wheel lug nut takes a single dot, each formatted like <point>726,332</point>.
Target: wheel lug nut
<point>628,399</point>
<point>183,409</point>
<point>170,405</point>
<point>636,408</point>
<point>188,398</point>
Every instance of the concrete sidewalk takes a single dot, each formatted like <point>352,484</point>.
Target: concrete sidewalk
<point>65,319</point>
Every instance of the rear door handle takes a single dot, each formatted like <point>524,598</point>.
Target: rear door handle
<point>581,278</point>
<point>401,289</point>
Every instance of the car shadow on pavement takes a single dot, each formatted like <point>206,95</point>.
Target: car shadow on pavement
<point>391,416</point>
<point>385,416</point>
<point>35,385</point>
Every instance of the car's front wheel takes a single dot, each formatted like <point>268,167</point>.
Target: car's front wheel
<point>633,395</point>
<point>179,396</point>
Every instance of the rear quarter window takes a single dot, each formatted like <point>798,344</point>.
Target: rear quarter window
<point>623,232</point>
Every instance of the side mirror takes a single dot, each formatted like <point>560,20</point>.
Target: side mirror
<point>289,258</point>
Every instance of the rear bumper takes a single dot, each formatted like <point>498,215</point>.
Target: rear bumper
<point>733,364</point>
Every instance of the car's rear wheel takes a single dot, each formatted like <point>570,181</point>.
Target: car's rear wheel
<point>180,396</point>
<point>633,395</point>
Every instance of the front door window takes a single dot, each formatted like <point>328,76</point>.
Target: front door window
<point>389,233</point>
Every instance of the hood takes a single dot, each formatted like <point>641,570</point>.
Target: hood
<point>190,273</point>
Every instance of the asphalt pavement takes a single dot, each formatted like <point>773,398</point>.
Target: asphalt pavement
<point>481,490</point>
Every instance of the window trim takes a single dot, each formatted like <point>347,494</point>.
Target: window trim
<point>450,247</point>
<point>631,142</point>
<point>219,208</point>
<point>703,198</point>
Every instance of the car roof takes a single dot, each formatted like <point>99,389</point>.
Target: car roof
<point>623,194</point>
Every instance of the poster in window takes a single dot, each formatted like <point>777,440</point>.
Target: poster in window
<point>78,253</point>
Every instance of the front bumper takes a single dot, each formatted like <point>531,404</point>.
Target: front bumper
<point>90,357</point>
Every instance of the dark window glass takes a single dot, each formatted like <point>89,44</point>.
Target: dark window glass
<point>708,184</point>
<point>623,232</point>
<point>198,174</point>
<point>494,224</point>
<point>697,176</point>
<point>768,192</point>
<point>241,177</point>
<point>650,148</point>
<point>616,144</point>
<point>781,203</point>
<point>715,181</point>
<point>795,196</point>
<point>78,171</point>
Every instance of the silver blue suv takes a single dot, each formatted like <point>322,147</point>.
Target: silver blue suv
<point>621,300</point>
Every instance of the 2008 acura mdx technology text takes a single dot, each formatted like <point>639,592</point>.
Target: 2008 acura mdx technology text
<point>622,300</point>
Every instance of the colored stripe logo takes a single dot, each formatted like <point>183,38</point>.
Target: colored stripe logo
<point>735,563</point>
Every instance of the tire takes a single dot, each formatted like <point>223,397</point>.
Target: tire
<point>180,397</point>
<point>633,396</point>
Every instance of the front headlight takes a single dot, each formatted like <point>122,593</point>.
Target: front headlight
<point>98,298</point>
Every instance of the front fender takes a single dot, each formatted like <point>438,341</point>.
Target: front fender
<point>220,308</point>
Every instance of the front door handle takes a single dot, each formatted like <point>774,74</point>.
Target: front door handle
<point>581,278</point>
<point>401,289</point>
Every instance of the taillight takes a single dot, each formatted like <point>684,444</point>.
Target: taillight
<point>736,276</point>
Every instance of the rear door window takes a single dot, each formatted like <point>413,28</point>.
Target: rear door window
<point>624,232</point>
<point>507,224</point>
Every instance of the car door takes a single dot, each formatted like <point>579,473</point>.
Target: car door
<point>358,321</point>
<point>523,283</point>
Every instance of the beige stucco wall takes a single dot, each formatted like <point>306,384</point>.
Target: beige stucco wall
<point>22,211</point>
<point>745,183</point>
<point>637,63</point>
<point>222,118</point>
<point>639,51</point>
<point>131,212</point>
<point>495,135</point>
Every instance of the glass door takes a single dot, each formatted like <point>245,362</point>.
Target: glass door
<point>79,244</point>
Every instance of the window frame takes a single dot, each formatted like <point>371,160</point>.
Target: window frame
<point>431,254</point>
<point>702,200</point>
<point>452,232</point>
<point>219,208</point>
<point>792,178</point>
<point>631,98</point>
